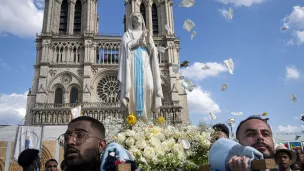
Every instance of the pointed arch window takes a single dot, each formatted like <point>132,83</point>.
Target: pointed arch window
<point>58,96</point>
<point>63,17</point>
<point>74,95</point>
<point>154,19</point>
<point>77,17</point>
<point>143,11</point>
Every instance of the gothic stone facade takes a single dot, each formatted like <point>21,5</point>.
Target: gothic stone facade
<point>77,66</point>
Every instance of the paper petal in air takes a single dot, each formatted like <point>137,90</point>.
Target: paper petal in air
<point>212,116</point>
<point>185,144</point>
<point>230,14</point>
<point>231,121</point>
<point>188,85</point>
<point>224,86</point>
<point>161,49</point>
<point>187,3</point>
<point>175,68</point>
<point>265,114</point>
<point>293,97</point>
<point>285,27</point>
<point>188,25</point>
<point>230,65</point>
<point>237,113</point>
<point>205,67</point>
<point>193,34</point>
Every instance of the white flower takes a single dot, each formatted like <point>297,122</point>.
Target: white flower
<point>133,151</point>
<point>178,148</point>
<point>141,144</point>
<point>130,141</point>
<point>149,153</point>
<point>161,137</point>
<point>130,133</point>
<point>142,159</point>
<point>154,141</point>
<point>159,151</point>
<point>121,137</point>
<point>139,136</point>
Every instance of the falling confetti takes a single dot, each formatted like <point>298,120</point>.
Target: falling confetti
<point>188,25</point>
<point>231,121</point>
<point>293,97</point>
<point>230,65</point>
<point>237,113</point>
<point>285,27</point>
<point>188,85</point>
<point>175,68</point>
<point>187,3</point>
<point>265,114</point>
<point>193,34</point>
<point>205,67</point>
<point>224,86</point>
<point>230,14</point>
<point>212,116</point>
<point>161,49</point>
<point>185,64</point>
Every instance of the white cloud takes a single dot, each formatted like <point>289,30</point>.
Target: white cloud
<point>246,3</point>
<point>295,22</point>
<point>296,18</point>
<point>195,72</point>
<point>20,17</point>
<point>200,101</point>
<point>292,73</point>
<point>224,13</point>
<point>12,108</point>
<point>290,128</point>
<point>300,36</point>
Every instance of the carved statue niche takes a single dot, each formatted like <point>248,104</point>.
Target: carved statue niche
<point>37,118</point>
<point>59,118</point>
<point>43,118</point>
<point>64,117</point>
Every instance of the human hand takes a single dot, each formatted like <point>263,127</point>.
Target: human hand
<point>238,163</point>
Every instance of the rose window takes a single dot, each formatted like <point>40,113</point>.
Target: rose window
<point>107,89</point>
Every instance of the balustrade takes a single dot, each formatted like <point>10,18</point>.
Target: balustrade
<point>47,114</point>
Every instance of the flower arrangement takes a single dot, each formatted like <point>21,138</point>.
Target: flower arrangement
<point>160,146</point>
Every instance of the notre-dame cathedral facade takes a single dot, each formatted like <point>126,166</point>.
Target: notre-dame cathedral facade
<point>77,66</point>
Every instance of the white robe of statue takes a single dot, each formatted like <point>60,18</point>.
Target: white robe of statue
<point>139,79</point>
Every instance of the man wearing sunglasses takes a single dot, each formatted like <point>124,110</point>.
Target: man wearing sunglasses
<point>83,143</point>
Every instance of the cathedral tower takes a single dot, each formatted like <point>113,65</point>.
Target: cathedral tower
<point>76,66</point>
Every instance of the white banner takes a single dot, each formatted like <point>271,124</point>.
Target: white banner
<point>27,137</point>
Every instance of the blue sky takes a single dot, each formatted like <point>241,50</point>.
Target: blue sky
<point>253,39</point>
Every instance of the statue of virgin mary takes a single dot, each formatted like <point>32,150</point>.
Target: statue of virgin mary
<point>139,79</point>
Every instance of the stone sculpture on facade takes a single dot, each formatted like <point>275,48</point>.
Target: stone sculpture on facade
<point>139,74</point>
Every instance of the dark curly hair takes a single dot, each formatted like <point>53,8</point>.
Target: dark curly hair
<point>221,127</point>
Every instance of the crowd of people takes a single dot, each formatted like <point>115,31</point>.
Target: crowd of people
<point>84,142</point>
<point>255,132</point>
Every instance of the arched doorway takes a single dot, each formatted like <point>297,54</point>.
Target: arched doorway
<point>2,165</point>
<point>45,156</point>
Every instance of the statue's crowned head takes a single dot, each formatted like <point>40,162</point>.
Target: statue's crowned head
<point>136,19</point>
